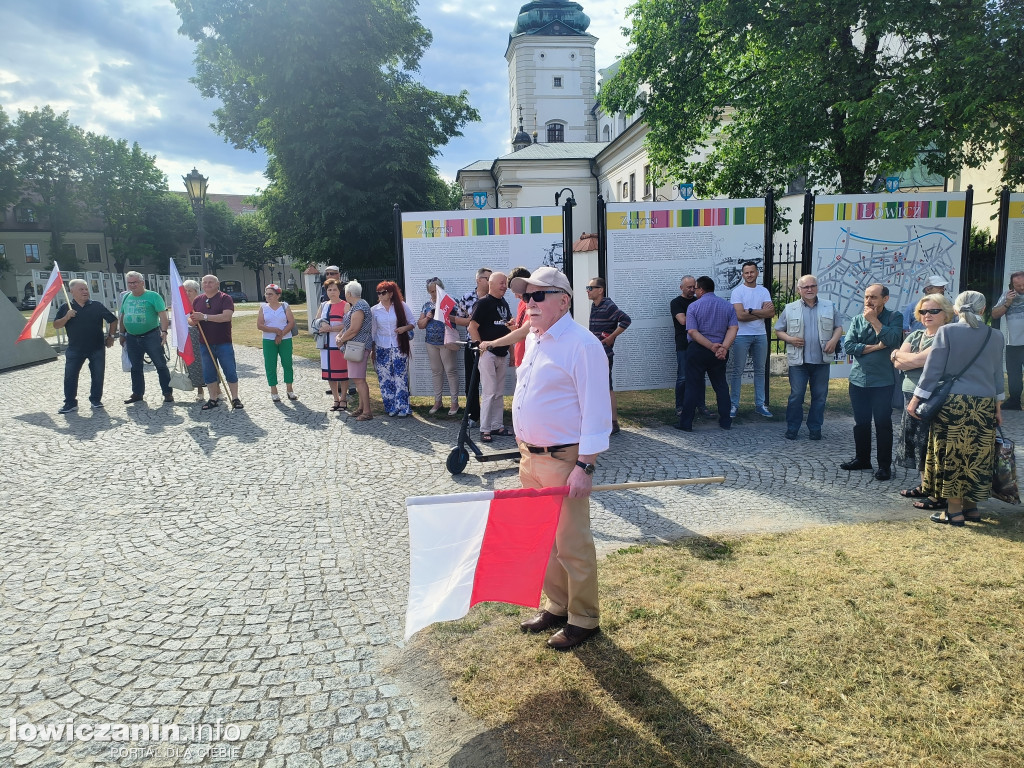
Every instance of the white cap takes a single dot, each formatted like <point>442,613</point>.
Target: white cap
<point>546,277</point>
<point>936,281</point>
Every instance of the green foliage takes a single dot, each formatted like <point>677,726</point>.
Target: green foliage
<point>169,224</point>
<point>52,158</point>
<point>9,187</point>
<point>123,182</point>
<point>253,248</point>
<point>293,297</point>
<point>219,226</point>
<point>840,93</point>
<point>325,88</point>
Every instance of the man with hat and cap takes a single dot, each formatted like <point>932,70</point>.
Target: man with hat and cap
<point>330,273</point>
<point>562,418</point>
<point>934,284</point>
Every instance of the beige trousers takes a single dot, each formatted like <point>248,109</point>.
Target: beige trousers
<point>571,579</point>
<point>492,391</point>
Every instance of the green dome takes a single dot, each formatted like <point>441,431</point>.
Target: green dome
<point>551,17</point>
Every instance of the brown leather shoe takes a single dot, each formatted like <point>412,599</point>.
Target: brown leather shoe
<point>169,397</point>
<point>133,399</point>
<point>543,620</point>
<point>570,636</point>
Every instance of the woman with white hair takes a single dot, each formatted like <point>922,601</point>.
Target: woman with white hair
<point>358,327</point>
<point>961,444</point>
<point>195,368</point>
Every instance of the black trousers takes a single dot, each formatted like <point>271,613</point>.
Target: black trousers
<point>700,362</point>
<point>472,398</point>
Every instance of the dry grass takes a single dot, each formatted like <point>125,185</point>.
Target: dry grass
<point>870,645</point>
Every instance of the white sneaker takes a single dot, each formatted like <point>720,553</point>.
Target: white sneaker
<point>732,412</point>
<point>97,406</point>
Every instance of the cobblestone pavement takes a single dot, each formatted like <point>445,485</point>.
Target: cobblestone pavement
<point>162,565</point>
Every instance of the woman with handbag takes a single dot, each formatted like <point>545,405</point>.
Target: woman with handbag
<point>355,340</point>
<point>932,311</point>
<point>392,330</point>
<point>276,320</point>
<point>195,368</point>
<point>442,342</point>
<point>329,321</point>
<point>961,443</point>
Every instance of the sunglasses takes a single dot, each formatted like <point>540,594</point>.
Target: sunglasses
<point>930,311</point>
<point>537,296</point>
<point>593,287</point>
<point>383,293</point>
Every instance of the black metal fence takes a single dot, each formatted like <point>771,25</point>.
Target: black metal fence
<point>787,261</point>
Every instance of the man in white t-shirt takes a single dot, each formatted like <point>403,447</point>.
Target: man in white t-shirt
<point>753,306</point>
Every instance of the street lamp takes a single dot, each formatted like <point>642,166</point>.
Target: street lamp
<point>195,185</point>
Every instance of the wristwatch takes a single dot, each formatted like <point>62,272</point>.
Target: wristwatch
<point>588,468</point>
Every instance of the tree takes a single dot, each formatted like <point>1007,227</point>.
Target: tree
<point>9,188</point>
<point>123,183</point>
<point>52,158</point>
<point>838,92</point>
<point>169,224</point>
<point>253,249</point>
<point>325,87</point>
<point>219,225</point>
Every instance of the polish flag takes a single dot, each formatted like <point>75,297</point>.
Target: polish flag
<point>180,307</point>
<point>445,305</point>
<point>469,548</point>
<point>35,328</point>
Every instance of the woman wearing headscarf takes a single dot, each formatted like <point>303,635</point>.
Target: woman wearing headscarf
<point>441,342</point>
<point>392,327</point>
<point>961,443</point>
<point>932,311</point>
<point>275,320</point>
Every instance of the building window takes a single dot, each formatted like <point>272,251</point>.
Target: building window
<point>556,133</point>
<point>93,251</point>
<point>558,82</point>
<point>647,181</point>
<point>632,187</point>
<point>625,191</point>
<point>227,261</point>
<point>3,252</point>
<point>195,259</point>
<point>25,214</point>
<point>31,253</point>
<point>69,253</point>
<point>607,133</point>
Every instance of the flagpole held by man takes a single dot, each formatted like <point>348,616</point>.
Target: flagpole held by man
<point>35,328</point>
<point>561,412</point>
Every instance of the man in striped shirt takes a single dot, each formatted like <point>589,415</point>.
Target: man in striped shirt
<point>712,326</point>
<point>607,322</point>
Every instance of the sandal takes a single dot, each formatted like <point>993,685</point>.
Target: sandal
<point>364,417</point>
<point>930,504</point>
<point>938,517</point>
<point>236,404</point>
<point>503,432</point>
<point>914,493</point>
<point>972,515</point>
<point>292,396</point>
<point>485,437</point>
<point>210,405</point>
<point>275,397</point>
<point>337,406</point>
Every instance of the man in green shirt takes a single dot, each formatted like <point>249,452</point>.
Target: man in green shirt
<point>872,336</point>
<point>143,328</point>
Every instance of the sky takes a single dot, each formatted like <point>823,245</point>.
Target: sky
<point>120,68</point>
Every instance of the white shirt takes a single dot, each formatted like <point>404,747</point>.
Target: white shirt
<point>274,318</point>
<point>561,393</point>
<point>750,298</point>
<point>385,323</point>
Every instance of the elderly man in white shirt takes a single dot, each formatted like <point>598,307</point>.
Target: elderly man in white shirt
<point>562,418</point>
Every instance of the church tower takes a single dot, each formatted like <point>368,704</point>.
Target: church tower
<point>552,73</point>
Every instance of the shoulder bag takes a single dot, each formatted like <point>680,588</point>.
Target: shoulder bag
<point>179,376</point>
<point>927,410</point>
<point>355,351</point>
<point>320,337</point>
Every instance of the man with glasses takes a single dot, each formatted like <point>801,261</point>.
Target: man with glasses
<point>461,316</point>
<point>811,329</point>
<point>143,325</point>
<point>562,417</point>
<point>872,336</point>
<point>607,322</point>
<point>331,272</point>
<point>492,319</point>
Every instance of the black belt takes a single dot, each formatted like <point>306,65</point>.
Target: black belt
<point>550,448</point>
<point>151,330</point>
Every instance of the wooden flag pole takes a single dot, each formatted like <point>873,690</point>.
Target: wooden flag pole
<point>657,483</point>
<point>220,378</point>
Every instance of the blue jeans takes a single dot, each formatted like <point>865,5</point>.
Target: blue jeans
<point>147,344</point>
<point>817,374</point>
<point>225,354</point>
<point>757,348</point>
<point>74,359</point>
<point>872,404</point>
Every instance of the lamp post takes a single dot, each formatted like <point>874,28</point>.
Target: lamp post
<point>567,207</point>
<point>195,185</point>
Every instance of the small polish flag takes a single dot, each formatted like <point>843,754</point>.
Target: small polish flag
<point>445,305</point>
<point>469,548</point>
<point>35,328</point>
<point>180,308</point>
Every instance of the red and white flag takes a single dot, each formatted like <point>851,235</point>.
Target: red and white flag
<point>445,305</point>
<point>180,307</point>
<point>35,328</point>
<point>469,548</point>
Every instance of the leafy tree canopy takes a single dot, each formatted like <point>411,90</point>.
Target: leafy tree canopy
<point>326,88</point>
<point>839,91</point>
